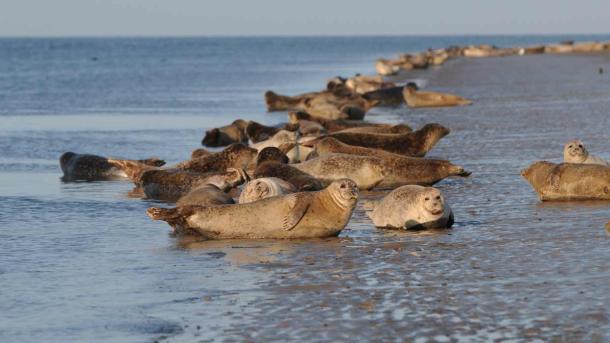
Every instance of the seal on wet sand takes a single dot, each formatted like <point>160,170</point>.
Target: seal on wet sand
<point>264,188</point>
<point>575,151</point>
<point>236,155</point>
<point>400,170</point>
<point>271,162</point>
<point>415,98</point>
<point>86,167</point>
<point>299,215</point>
<point>411,207</point>
<point>568,181</point>
<point>366,171</point>
<point>416,143</point>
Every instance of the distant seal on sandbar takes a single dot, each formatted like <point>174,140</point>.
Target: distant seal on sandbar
<point>366,171</point>
<point>299,215</point>
<point>265,187</point>
<point>568,181</point>
<point>86,167</point>
<point>575,151</point>
<point>411,207</point>
<point>237,155</point>
<point>400,170</point>
<point>223,136</point>
<point>416,143</point>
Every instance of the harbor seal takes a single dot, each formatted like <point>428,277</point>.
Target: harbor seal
<point>278,139</point>
<point>236,155</point>
<point>568,181</point>
<point>416,143</point>
<point>86,167</point>
<point>271,162</point>
<point>575,151</point>
<point>366,171</point>
<point>391,96</point>
<point>206,195</point>
<point>226,135</point>
<point>299,215</point>
<point>395,129</point>
<point>417,99</point>
<point>258,132</point>
<point>400,170</point>
<point>332,125</point>
<point>386,67</point>
<point>264,188</point>
<point>411,207</point>
<point>201,152</point>
<point>335,104</point>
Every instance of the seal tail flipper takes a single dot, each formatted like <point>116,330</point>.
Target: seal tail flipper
<point>460,171</point>
<point>152,161</point>
<point>165,214</point>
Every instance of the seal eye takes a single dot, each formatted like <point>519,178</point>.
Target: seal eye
<point>580,145</point>
<point>342,185</point>
<point>427,199</point>
<point>570,146</point>
<point>438,197</point>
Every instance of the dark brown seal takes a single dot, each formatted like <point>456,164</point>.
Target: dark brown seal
<point>207,195</point>
<point>201,152</point>
<point>336,104</point>
<point>416,143</point>
<point>272,162</point>
<point>236,155</point>
<point>86,167</point>
<point>569,181</point>
<point>332,125</point>
<point>223,136</point>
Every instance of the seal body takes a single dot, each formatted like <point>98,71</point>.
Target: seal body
<point>86,167</point>
<point>206,195</point>
<point>416,143</point>
<point>412,207</point>
<point>569,181</point>
<point>391,129</point>
<point>226,135</point>
<point>236,155</point>
<point>366,171</point>
<point>416,99</point>
<point>299,215</point>
<point>336,104</point>
<point>400,170</point>
<point>264,188</point>
<point>575,151</point>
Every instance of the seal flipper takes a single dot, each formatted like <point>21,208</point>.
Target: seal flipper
<point>299,203</point>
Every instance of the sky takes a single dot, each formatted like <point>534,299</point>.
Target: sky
<point>303,17</point>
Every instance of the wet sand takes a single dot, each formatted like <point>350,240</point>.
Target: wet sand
<point>511,268</point>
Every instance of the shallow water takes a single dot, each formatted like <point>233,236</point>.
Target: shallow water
<point>82,261</point>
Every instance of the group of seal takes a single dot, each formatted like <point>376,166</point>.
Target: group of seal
<point>302,178</point>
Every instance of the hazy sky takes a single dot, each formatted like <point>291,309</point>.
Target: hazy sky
<point>303,17</point>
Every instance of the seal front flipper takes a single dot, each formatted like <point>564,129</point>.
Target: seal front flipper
<point>299,203</point>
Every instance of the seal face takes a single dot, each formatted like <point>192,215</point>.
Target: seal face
<point>412,207</point>
<point>264,188</point>
<point>414,98</point>
<point>568,181</point>
<point>299,215</point>
<point>575,151</point>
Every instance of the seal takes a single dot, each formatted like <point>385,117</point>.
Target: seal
<point>366,171</point>
<point>411,207</point>
<point>264,188</point>
<point>362,84</point>
<point>299,215</point>
<point>236,155</point>
<point>416,143</point>
<point>331,125</point>
<point>336,104</point>
<point>223,136</point>
<point>271,162</point>
<point>395,129</point>
<point>417,99</point>
<point>201,152</point>
<point>86,167</point>
<point>391,96</point>
<point>386,67</point>
<point>575,151</point>
<point>400,170</point>
<point>258,132</point>
<point>568,181</point>
<point>280,138</point>
<point>206,195</point>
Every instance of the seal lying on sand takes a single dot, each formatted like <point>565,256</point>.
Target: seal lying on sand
<point>569,181</point>
<point>400,170</point>
<point>271,162</point>
<point>265,187</point>
<point>396,129</point>
<point>334,125</point>
<point>366,171</point>
<point>416,143</point>
<point>575,151</point>
<point>258,132</point>
<point>85,167</point>
<point>206,195</point>
<point>299,215</point>
<point>277,140</point>
<point>223,136</point>
<point>415,98</point>
<point>411,207</point>
<point>386,96</point>
<point>325,104</point>
<point>236,155</point>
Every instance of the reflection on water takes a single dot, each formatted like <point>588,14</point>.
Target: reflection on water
<point>82,260</point>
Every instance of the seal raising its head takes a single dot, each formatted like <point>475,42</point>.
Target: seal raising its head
<point>412,207</point>
<point>575,151</point>
<point>299,215</point>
